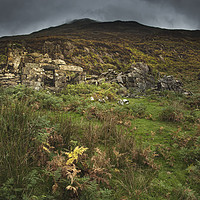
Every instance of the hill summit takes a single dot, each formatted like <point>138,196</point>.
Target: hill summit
<point>83,21</point>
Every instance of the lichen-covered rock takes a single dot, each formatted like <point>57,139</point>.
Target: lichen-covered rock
<point>15,56</point>
<point>58,62</point>
<point>71,68</point>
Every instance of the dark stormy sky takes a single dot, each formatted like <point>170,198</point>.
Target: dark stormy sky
<point>26,16</point>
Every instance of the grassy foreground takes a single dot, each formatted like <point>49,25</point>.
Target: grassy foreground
<point>68,146</point>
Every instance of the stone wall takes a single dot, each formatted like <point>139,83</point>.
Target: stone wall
<point>37,70</point>
<point>49,70</point>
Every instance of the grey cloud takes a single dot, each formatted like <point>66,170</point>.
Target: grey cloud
<point>189,9</point>
<point>25,16</point>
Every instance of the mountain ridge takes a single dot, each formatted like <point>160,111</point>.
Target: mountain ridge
<point>87,23</point>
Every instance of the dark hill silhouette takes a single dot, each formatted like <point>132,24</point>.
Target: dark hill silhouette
<point>94,27</point>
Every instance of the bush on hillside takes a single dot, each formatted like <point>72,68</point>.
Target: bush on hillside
<point>171,114</point>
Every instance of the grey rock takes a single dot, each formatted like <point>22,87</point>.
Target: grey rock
<point>123,102</point>
<point>101,100</point>
<point>170,83</point>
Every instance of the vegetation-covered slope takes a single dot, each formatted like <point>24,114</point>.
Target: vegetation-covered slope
<point>80,143</point>
<point>71,146</point>
<point>97,46</point>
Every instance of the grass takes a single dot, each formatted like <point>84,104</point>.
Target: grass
<point>75,148</point>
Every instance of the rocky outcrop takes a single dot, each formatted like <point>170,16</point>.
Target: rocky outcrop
<point>170,83</point>
<point>139,78</point>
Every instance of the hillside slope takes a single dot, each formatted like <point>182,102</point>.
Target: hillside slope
<point>124,135</point>
<point>98,46</point>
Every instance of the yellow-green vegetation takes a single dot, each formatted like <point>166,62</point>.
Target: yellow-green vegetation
<point>116,45</point>
<point>68,145</point>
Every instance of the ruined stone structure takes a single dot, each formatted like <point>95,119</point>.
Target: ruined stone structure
<point>37,70</point>
<point>49,70</point>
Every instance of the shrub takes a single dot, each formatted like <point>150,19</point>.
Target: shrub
<point>78,89</point>
<point>37,99</point>
<point>101,91</point>
<point>193,101</point>
<point>18,128</point>
<point>3,58</point>
<point>190,152</point>
<point>132,183</point>
<point>194,174</point>
<point>138,109</point>
<point>171,114</point>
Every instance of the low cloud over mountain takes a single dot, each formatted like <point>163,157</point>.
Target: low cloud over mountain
<point>22,16</point>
